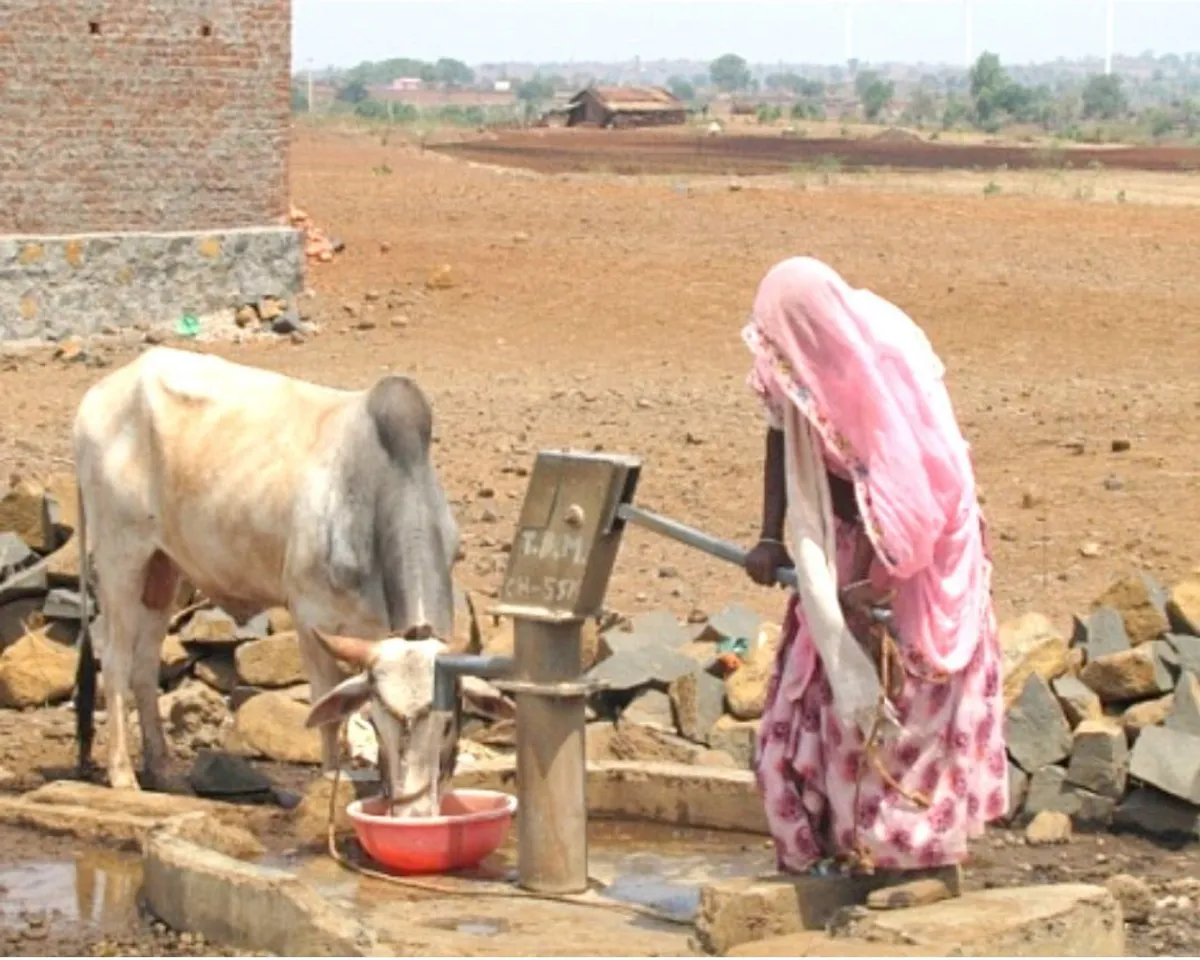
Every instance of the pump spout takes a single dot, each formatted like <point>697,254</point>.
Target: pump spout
<point>449,667</point>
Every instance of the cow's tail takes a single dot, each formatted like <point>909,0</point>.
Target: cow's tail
<point>85,672</point>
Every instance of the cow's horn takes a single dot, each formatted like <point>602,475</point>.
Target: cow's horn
<point>352,650</point>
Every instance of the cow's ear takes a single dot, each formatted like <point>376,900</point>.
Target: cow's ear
<point>340,702</point>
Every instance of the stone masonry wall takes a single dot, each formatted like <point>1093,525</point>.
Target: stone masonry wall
<point>52,286</point>
<point>143,115</point>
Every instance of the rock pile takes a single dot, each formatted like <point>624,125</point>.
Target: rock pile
<point>1104,727</point>
<point>39,602</point>
<point>270,314</point>
<point>318,247</point>
<point>669,692</point>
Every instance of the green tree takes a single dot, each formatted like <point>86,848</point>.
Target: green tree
<point>1017,101</point>
<point>874,92</point>
<point>681,88</point>
<point>354,91</point>
<point>536,89</point>
<point>372,109</point>
<point>383,72</point>
<point>1160,122</point>
<point>453,73</point>
<point>987,84</point>
<point>922,107</point>
<point>810,89</point>
<point>729,73</point>
<point>299,100</point>
<point>957,111</point>
<point>1191,116</point>
<point>1103,97</point>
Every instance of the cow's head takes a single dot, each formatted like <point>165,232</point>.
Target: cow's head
<point>417,746</point>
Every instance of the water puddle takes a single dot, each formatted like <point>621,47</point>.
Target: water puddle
<point>98,887</point>
<point>651,865</point>
<point>663,868</point>
<point>473,926</point>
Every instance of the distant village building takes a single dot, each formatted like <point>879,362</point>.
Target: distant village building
<point>625,107</point>
<point>502,86</point>
<point>407,83</point>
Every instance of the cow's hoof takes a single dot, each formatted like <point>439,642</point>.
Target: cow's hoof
<point>124,782</point>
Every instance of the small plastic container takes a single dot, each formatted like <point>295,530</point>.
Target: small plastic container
<point>473,824</point>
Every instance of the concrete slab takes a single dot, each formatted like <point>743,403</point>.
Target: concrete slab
<point>672,793</point>
<point>142,803</point>
<point>816,943</point>
<point>121,830</point>
<point>481,918</point>
<point>1072,920</point>
<point>1057,920</point>
<point>242,905</point>
<point>126,830</point>
<point>741,910</point>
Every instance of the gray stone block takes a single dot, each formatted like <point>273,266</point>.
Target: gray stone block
<point>1048,790</point>
<point>1099,758</point>
<point>1094,810</point>
<point>1169,760</point>
<point>1187,651</point>
<point>1036,730</point>
<point>1152,812</point>
<point>659,626</point>
<point>62,604</point>
<point>1101,633</point>
<point>1018,789</point>
<point>14,554</point>
<point>635,662</point>
<point>699,702</point>
<point>255,628</point>
<point>738,738</point>
<point>1185,707</point>
<point>650,708</point>
<point>734,621</point>
<point>1079,701</point>
<point>644,654</point>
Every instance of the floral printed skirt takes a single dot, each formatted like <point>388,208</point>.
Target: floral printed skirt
<point>911,802</point>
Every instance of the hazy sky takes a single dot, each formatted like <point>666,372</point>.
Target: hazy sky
<point>345,32</point>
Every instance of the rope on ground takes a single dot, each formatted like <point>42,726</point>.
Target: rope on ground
<point>428,886</point>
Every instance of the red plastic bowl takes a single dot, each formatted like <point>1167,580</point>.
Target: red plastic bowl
<point>472,825</point>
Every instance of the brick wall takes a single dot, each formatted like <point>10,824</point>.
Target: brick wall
<point>125,115</point>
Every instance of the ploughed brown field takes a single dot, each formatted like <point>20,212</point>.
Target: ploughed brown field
<point>604,313</point>
<point>691,150</point>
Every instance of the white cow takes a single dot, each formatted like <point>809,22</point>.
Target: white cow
<point>262,490</point>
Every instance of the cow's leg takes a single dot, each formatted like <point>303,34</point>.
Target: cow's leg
<point>323,676</point>
<point>135,594</point>
<point>150,619</point>
<point>119,598</point>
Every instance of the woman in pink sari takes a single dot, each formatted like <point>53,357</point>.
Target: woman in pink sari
<point>879,748</point>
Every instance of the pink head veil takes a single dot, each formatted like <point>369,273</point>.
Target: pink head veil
<point>866,377</point>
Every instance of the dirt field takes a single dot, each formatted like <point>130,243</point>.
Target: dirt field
<point>691,150</point>
<point>605,314</point>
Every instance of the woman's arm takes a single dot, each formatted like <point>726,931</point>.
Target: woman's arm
<point>774,488</point>
<point>770,554</point>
